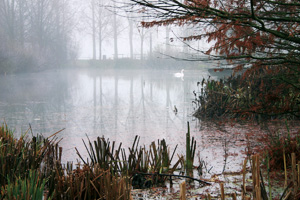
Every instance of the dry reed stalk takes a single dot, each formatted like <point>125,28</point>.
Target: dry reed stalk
<point>209,196</point>
<point>183,191</point>
<point>233,196</point>
<point>285,171</point>
<point>256,176</point>
<point>244,177</point>
<point>189,164</point>
<point>298,172</point>
<point>257,191</point>
<point>222,191</point>
<point>257,172</point>
<point>294,175</point>
<point>287,195</point>
<point>254,173</point>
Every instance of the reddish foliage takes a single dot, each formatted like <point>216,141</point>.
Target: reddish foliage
<point>264,34</point>
<point>275,145</point>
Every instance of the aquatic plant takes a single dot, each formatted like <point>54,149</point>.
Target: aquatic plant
<point>139,159</point>
<point>252,95</point>
<point>190,152</point>
<point>88,182</point>
<point>31,187</point>
<point>277,148</point>
<point>110,174</point>
<point>18,156</point>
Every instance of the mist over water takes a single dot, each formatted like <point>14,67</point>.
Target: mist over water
<point>117,104</point>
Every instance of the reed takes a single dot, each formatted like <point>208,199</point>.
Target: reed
<point>298,172</point>
<point>156,159</point>
<point>208,197</point>
<point>222,191</point>
<point>32,169</point>
<point>233,196</point>
<point>294,176</point>
<point>18,156</point>
<point>89,182</point>
<point>29,188</point>
<point>285,170</point>
<point>190,152</point>
<point>268,176</point>
<point>244,178</point>
<point>256,177</point>
<point>183,191</point>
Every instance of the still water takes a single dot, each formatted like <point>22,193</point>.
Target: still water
<point>116,104</point>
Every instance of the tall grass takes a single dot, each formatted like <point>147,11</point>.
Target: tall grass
<point>31,168</point>
<point>29,188</point>
<point>18,156</point>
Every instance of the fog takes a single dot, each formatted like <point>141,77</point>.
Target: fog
<point>133,40</point>
<point>84,64</point>
<point>41,34</point>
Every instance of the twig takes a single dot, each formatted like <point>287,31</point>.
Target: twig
<point>225,155</point>
<point>175,175</point>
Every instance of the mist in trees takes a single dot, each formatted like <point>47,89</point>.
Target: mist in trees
<point>40,34</point>
<point>35,34</point>
<point>115,32</point>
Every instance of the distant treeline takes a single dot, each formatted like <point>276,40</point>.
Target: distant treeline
<point>128,63</point>
<point>34,34</point>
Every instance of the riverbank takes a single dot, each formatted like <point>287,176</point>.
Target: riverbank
<point>127,63</point>
<point>31,157</point>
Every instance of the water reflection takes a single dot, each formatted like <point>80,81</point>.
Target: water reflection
<point>116,104</point>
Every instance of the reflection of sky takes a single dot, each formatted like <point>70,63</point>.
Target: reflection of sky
<point>133,102</point>
<point>115,104</point>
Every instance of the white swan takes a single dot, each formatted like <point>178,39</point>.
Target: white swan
<point>179,75</point>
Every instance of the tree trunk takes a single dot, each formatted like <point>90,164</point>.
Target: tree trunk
<point>130,37</point>
<point>100,32</point>
<point>115,34</point>
<point>94,30</point>
<point>21,23</point>
<point>150,52</point>
<point>167,39</point>
<point>142,44</point>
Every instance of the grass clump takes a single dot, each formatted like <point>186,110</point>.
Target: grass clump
<point>31,168</point>
<point>19,156</point>
<point>278,148</point>
<point>29,188</point>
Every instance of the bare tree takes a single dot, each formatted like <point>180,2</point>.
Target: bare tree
<point>97,21</point>
<point>130,23</point>
<point>115,29</point>
<point>34,33</point>
<point>104,20</point>
<point>93,6</point>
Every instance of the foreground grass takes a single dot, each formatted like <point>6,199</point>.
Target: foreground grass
<point>31,168</point>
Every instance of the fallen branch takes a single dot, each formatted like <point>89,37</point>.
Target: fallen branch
<point>175,175</point>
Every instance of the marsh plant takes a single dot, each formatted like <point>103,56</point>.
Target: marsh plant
<point>31,187</point>
<point>31,168</point>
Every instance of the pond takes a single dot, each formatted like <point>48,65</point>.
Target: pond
<point>119,104</point>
